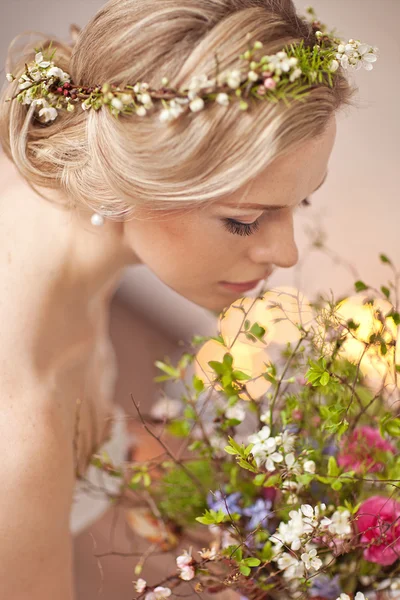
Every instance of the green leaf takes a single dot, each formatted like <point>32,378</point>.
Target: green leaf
<point>385,291</point>
<point>385,259</point>
<point>211,517</point>
<point>360,286</point>
<point>259,479</point>
<point>197,383</point>
<point>170,370</point>
<point>245,570</point>
<point>257,330</point>
<point>333,468</point>
<point>325,377</point>
<point>239,375</point>
<point>272,480</point>
<point>218,367</point>
<point>179,428</point>
<point>336,485</point>
<point>246,465</point>
<point>246,325</point>
<point>393,427</point>
<point>228,359</point>
<point>395,316</point>
<point>252,561</point>
<point>267,552</point>
<point>190,413</point>
<point>230,450</point>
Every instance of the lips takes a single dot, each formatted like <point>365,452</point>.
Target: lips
<point>244,286</point>
<point>247,283</point>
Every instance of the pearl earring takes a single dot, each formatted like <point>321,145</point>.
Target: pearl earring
<point>97,220</point>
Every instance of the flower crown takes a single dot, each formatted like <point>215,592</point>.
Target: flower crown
<point>287,74</point>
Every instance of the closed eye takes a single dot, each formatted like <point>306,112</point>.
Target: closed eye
<point>238,228</point>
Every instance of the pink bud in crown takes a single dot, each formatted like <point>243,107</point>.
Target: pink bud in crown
<point>261,90</point>
<point>267,74</point>
<point>270,83</point>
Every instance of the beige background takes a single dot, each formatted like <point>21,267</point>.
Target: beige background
<point>359,204</point>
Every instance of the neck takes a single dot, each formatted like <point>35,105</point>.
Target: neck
<point>73,256</point>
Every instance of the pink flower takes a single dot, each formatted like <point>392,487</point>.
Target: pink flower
<point>261,90</point>
<point>358,451</point>
<point>378,521</point>
<point>270,83</point>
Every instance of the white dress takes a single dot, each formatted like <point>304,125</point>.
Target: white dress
<point>89,503</point>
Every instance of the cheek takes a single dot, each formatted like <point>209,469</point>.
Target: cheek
<point>185,252</point>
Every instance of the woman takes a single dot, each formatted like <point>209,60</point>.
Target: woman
<point>174,196</point>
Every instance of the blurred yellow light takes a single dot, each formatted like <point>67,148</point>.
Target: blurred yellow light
<point>279,311</point>
<point>246,358</point>
<point>286,308</point>
<point>373,364</point>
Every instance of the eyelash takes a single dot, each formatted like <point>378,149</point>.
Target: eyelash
<point>238,228</point>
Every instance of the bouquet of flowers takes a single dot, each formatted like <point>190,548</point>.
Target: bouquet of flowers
<point>290,430</point>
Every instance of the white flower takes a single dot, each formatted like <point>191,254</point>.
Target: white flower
<point>184,559</point>
<point>234,79</point>
<point>160,593</point>
<point>295,74</point>
<point>287,440</point>
<point>165,407</point>
<point>141,111</point>
<point>187,573</point>
<point>10,77</point>
<point>334,65</point>
<point>140,585</point>
<point>360,596</point>
<point>356,55</point>
<point>40,62</point>
<point>117,103</point>
<point>261,436</point>
<point>311,560</point>
<point>26,84</point>
<point>309,466</point>
<point>145,99</point>
<point>172,112</point>
<point>290,459</point>
<point>209,553</point>
<point>338,523</point>
<point>55,72</point>
<point>49,113</point>
<point>307,510</point>
<point>196,105</point>
<point>252,76</point>
<point>265,417</point>
<point>292,567</point>
<point>343,596</point>
<point>235,412</point>
<point>222,99</point>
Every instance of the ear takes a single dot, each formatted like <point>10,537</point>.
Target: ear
<point>74,31</point>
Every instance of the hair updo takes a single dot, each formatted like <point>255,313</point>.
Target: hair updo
<point>139,162</point>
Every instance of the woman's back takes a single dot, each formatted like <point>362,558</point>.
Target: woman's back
<point>57,373</point>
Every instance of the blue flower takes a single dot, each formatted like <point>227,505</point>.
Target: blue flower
<point>330,449</point>
<point>259,513</point>
<point>326,587</point>
<point>217,501</point>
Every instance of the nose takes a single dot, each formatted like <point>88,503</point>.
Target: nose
<point>276,244</point>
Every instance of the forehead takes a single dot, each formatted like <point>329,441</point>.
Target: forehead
<point>290,177</point>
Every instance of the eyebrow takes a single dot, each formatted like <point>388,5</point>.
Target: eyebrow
<point>270,207</point>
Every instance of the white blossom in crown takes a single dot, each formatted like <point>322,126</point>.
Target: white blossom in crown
<point>270,76</point>
<point>354,54</point>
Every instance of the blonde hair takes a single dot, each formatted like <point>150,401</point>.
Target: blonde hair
<point>133,162</point>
